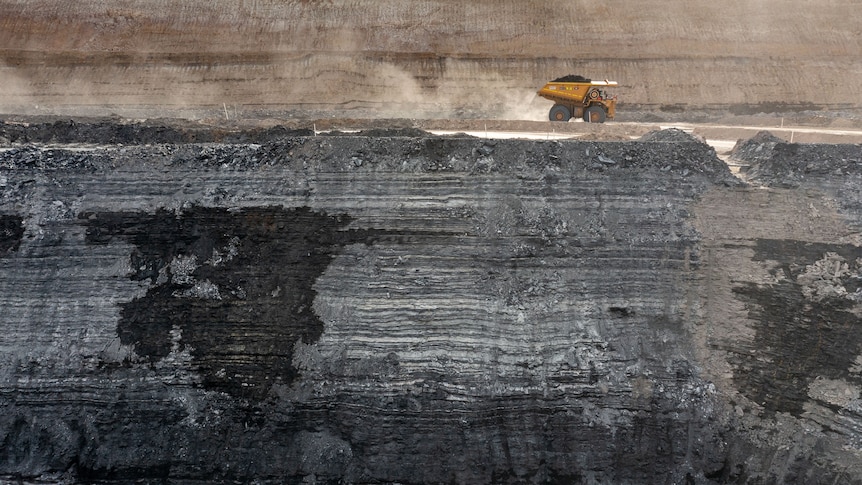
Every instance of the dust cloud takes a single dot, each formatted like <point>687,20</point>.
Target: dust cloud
<point>428,59</point>
<point>15,93</point>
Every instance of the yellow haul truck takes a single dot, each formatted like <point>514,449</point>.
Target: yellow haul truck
<point>580,97</point>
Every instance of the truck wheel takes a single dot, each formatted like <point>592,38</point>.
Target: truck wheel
<point>595,114</point>
<point>560,113</point>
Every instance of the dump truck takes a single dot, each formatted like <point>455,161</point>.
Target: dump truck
<point>576,96</point>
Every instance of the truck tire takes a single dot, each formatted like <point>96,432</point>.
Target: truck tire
<point>560,113</point>
<point>595,114</point>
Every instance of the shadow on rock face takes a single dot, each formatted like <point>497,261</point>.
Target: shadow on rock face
<point>233,288</point>
<point>11,232</point>
<point>806,328</point>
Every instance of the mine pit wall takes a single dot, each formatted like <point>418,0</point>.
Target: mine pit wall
<point>424,310</point>
<point>424,58</point>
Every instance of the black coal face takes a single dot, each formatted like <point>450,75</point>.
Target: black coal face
<point>11,232</point>
<point>233,288</point>
<point>797,338</point>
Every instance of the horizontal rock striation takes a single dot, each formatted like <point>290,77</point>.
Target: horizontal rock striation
<point>428,58</point>
<point>418,309</point>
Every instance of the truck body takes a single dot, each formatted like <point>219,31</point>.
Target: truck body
<point>585,99</point>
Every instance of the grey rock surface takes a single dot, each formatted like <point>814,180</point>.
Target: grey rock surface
<point>454,310</point>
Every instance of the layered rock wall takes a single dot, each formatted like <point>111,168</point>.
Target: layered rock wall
<point>425,310</point>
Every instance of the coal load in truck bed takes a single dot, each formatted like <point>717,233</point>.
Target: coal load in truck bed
<point>571,78</point>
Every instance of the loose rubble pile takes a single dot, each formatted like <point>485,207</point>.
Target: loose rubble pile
<point>777,163</point>
<point>395,307</point>
<point>112,132</point>
<point>671,135</point>
<point>757,148</point>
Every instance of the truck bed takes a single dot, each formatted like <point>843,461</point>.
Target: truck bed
<point>568,92</point>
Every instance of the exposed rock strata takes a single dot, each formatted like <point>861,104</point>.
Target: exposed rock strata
<point>424,310</point>
<point>424,58</point>
<point>782,305</point>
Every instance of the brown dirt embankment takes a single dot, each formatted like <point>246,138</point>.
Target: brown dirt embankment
<point>424,59</point>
